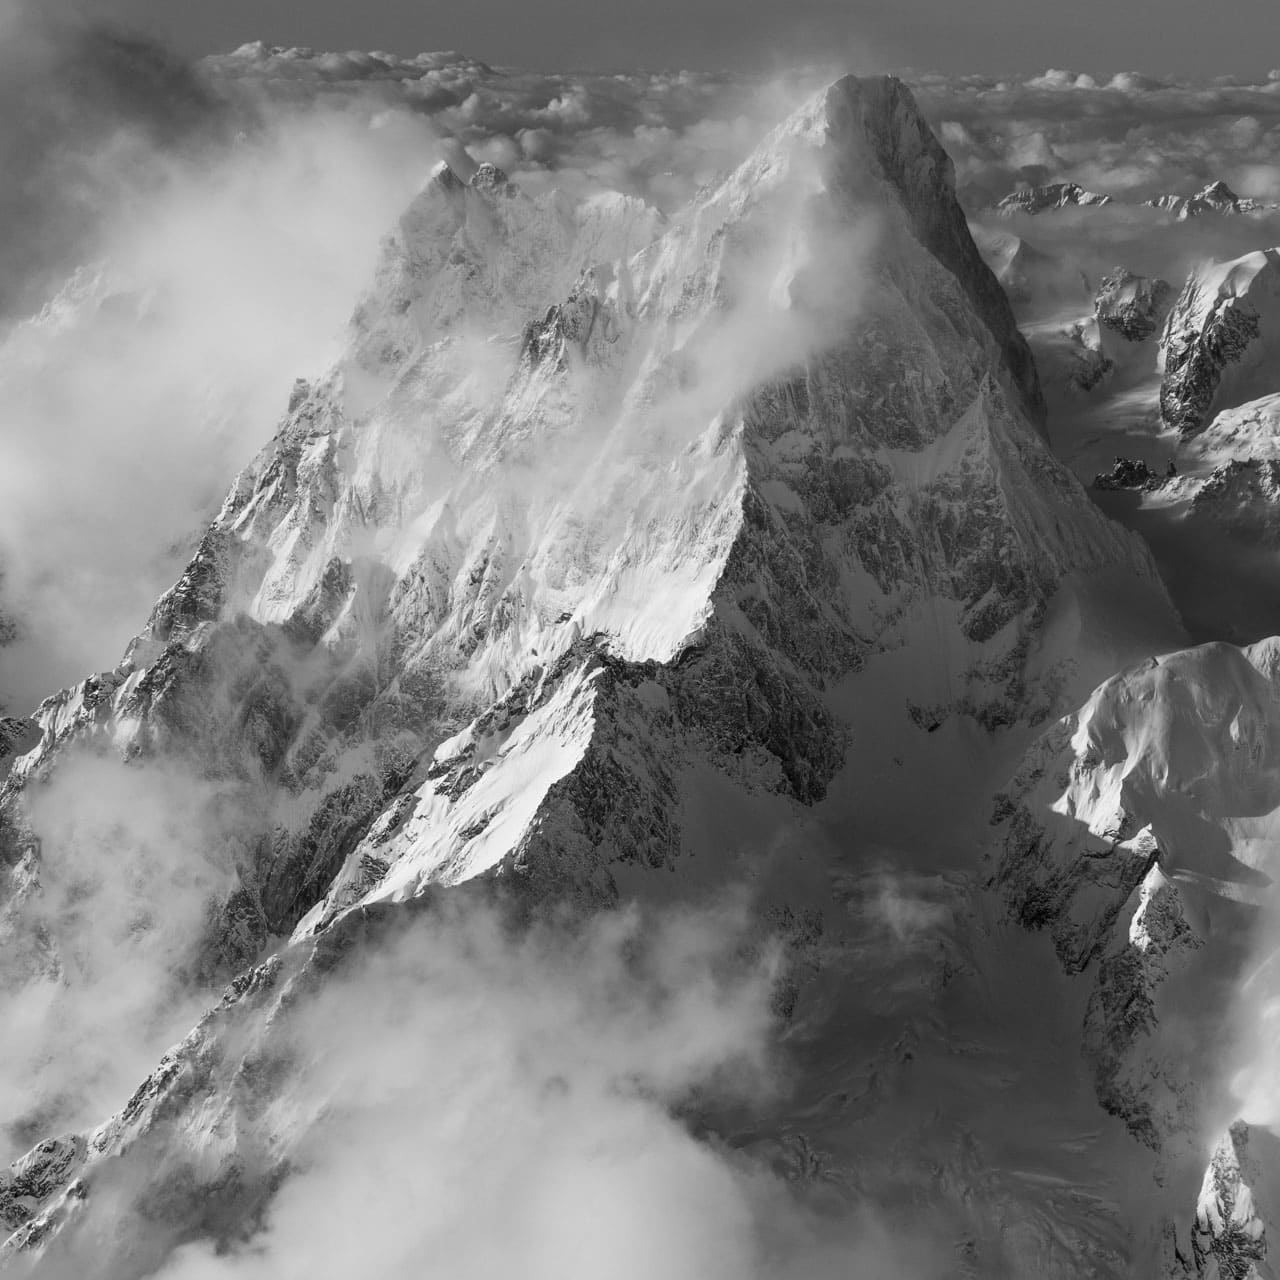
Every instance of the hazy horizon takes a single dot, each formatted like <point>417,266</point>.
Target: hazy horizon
<point>994,37</point>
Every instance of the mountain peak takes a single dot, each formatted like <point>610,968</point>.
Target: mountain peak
<point>444,177</point>
<point>760,488</point>
<point>884,112</point>
<point>1217,190</point>
<point>1054,195</point>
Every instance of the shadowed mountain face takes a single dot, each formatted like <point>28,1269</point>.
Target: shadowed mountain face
<point>628,558</point>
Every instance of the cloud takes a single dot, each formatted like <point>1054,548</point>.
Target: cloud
<point>128,405</point>
<point>104,943</point>
<point>71,93</point>
<point>659,135</point>
<point>472,1099</point>
<point>500,1106</point>
<point>1133,136</point>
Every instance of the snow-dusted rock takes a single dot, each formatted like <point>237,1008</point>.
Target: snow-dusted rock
<point>1221,342</point>
<point>16,738</point>
<point>1234,485</point>
<point>1128,473</point>
<point>1242,497</point>
<point>1123,1018</point>
<point>1229,1238</point>
<point>1131,306</point>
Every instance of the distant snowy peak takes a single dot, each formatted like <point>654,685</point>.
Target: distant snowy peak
<point>1220,346</point>
<point>1249,430</point>
<point>1055,195</point>
<point>1216,198</point>
<point>259,56</point>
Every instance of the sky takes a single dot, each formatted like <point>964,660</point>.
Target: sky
<point>1184,37</point>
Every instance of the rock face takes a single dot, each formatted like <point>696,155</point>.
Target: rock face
<point>594,503</point>
<point>16,738</point>
<point>1220,342</point>
<point>1131,306</point>
<point>1127,473</point>
<point>1056,195</point>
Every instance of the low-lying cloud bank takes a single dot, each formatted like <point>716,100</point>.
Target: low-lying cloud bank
<point>1132,135</point>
